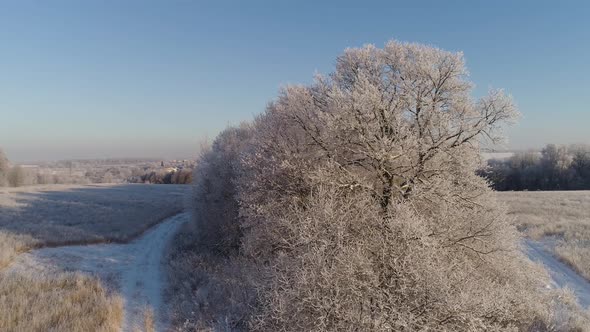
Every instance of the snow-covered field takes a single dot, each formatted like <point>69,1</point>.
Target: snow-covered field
<point>563,216</point>
<point>82,251</point>
<point>562,276</point>
<point>84,229</point>
<point>133,270</point>
<point>557,229</point>
<point>55,215</point>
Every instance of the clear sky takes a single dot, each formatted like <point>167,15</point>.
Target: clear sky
<point>87,79</point>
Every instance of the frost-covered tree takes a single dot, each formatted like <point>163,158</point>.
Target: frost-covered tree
<point>555,162</point>
<point>17,176</point>
<point>556,167</point>
<point>356,199</point>
<point>390,119</point>
<point>4,169</point>
<point>214,201</point>
<point>581,165</point>
<point>360,197</point>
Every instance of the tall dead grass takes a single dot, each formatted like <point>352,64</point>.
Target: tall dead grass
<point>12,245</point>
<point>64,302</point>
<point>149,324</point>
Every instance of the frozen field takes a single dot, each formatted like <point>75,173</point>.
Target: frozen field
<point>90,283</point>
<point>63,214</point>
<point>557,224</point>
<point>133,270</point>
<point>57,215</point>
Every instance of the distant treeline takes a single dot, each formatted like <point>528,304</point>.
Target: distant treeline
<point>96,171</point>
<point>184,176</point>
<point>14,176</point>
<point>556,167</point>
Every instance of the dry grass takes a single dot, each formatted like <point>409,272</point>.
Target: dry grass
<point>561,215</point>
<point>148,320</point>
<point>65,302</point>
<point>149,324</point>
<point>11,245</point>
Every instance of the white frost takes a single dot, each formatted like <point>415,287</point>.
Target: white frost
<point>134,269</point>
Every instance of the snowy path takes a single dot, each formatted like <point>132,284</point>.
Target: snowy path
<point>561,274</point>
<point>133,269</point>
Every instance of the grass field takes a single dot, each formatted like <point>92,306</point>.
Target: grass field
<point>55,215</point>
<point>63,214</point>
<point>560,218</point>
<point>60,302</point>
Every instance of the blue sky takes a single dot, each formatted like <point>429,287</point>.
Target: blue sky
<point>87,79</point>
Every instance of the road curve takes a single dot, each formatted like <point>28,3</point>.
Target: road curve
<point>134,269</point>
